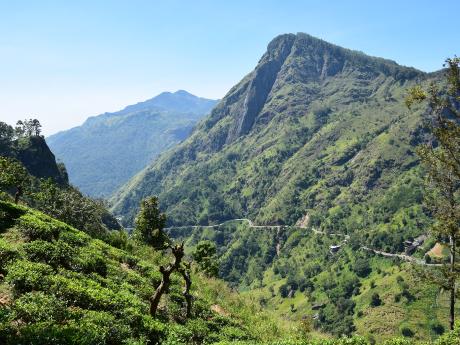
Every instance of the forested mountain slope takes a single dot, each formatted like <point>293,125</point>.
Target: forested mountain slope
<point>315,132</point>
<point>107,150</point>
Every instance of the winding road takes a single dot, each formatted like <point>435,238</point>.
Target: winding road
<point>404,257</point>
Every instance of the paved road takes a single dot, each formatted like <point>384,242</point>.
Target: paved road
<point>278,246</point>
<point>401,256</point>
<point>250,223</point>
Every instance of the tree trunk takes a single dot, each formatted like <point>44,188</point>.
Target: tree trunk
<point>161,289</point>
<point>18,194</point>
<point>452,240</point>
<point>187,295</point>
<point>178,252</point>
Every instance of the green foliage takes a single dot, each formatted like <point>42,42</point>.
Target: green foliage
<point>205,256</point>
<point>33,307</point>
<point>72,207</point>
<point>442,162</point>
<point>407,332</point>
<point>362,268</point>
<point>28,148</point>
<point>375,300</point>
<point>26,276</point>
<point>63,287</point>
<point>13,174</point>
<point>150,223</point>
<point>38,228</point>
<point>96,152</point>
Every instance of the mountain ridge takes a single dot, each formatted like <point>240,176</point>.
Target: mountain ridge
<point>303,96</point>
<point>106,150</point>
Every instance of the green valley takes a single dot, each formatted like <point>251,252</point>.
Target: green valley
<point>317,203</point>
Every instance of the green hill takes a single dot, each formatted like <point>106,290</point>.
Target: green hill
<point>33,152</point>
<point>60,286</point>
<point>107,150</point>
<point>316,138</point>
<point>315,132</point>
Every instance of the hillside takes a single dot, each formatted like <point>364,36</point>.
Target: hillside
<point>292,272</point>
<point>317,144</point>
<point>33,153</point>
<point>107,150</point>
<point>60,286</point>
<point>315,132</point>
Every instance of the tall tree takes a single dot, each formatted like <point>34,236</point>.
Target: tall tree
<point>150,223</point>
<point>205,256</point>
<point>441,158</point>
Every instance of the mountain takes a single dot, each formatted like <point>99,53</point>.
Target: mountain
<point>36,156</point>
<point>306,179</point>
<point>107,150</point>
<point>315,132</point>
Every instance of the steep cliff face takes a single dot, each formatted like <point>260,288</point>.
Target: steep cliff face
<point>260,86</point>
<point>312,126</point>
<point>36,156</point>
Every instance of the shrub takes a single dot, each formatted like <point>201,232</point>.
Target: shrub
<point>362,268</point>
<point>55,254</point>
<point>284,290</point>
<point>7,254</point>
<point>35,228</point>
<point>90,260</point>
<point>26,276</point>
<point>39,250</point>
<point>437,328</point>
<point>37,306</point>
<point>82,292</point>
<point>117,239</point>
<point>74,238</point>
<point>407,332</point>
<point>375,300</point>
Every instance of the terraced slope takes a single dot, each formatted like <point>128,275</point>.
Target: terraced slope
<point>60,286</point>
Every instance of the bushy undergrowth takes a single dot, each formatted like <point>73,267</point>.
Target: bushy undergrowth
<point>60,286</point>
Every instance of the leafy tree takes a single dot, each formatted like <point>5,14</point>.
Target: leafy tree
<point>206,258</point>
<point>362,267</point>
<point>441,158</point>
<point>13,174</point>
<point>28,128</point>
<point>375,300</point>
<point>150,223</point>
<point>72,207</point>
<point>6,137</point>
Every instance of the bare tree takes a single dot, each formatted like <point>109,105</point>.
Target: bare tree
<point>178,252</point>
<point>185,272</point>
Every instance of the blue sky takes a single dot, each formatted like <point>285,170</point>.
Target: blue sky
<point>63,61</point>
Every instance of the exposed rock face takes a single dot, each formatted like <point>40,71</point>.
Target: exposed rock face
<point>36,156</point>
<point>40,161</point>
<point>260,86</point>
<point>310,126</point>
